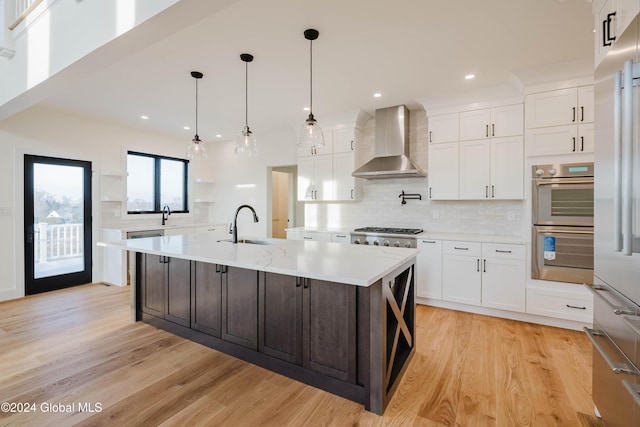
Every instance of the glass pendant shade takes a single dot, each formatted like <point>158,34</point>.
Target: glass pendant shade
<point>311,134</point>
<point>196,150</point>
<point>246,143</point>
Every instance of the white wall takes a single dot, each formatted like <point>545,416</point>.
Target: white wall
<point>247,180</point>
<point>52,133</point>
<point>48,42</point>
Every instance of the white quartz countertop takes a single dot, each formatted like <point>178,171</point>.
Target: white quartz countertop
<point>336,262</point>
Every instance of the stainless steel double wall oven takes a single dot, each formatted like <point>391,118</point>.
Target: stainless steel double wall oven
<point>562,247</point>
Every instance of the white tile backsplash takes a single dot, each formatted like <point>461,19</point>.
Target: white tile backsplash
<point>379,203</point>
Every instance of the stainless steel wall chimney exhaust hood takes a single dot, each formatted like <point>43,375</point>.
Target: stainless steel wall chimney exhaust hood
<point>392,147</point>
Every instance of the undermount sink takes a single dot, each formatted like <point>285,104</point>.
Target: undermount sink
<point>252,241</point>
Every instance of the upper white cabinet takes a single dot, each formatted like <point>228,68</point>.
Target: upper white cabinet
<point>560,107</point>
<point>307,151</point>
<point>344,183</point>
<point>488,160</point>
<point>443,171</point>
<point>324,174</point>
<point>611,18</point>
<point>444,128</point>
<point>344,140</point>
<point>315,178</point>
<point>491,122</point>
<point>560,121</point>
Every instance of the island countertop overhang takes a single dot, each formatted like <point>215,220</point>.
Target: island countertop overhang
<point>336,262</point>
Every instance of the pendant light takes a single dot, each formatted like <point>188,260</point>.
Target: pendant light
<point>311,133</point>
<point>246,142</point>
<point>195,149</point>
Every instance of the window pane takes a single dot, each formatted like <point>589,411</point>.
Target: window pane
<point>140,183</point>
<point>172,184</point>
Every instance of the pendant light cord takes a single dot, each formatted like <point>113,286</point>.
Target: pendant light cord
<point>196,107</point>
<point>311,77</point>
<point>246,95</point>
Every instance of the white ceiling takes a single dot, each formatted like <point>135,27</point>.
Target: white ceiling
<point>408,50</point>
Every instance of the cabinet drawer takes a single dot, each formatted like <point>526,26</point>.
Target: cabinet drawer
<point>221,230</point>
<point>576,306</point>
<point>503,251</point>
<point>461,248</point>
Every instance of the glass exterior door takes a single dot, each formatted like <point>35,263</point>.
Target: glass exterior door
<point>57,223</point>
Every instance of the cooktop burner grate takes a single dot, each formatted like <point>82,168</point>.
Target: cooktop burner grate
<point>389,230</point>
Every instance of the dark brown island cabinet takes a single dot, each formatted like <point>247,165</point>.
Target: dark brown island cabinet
<point>353,341</point>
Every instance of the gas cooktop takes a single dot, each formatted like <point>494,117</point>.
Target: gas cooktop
<point>389,230</point>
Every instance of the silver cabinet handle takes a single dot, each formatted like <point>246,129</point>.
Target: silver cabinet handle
<point>502,252</point>
<point>307,238</point>
<point>617,161</point>
<point>428,241</point>
<point>619,310</point>
<point>634,389</point>
<point>618,368</point>
<point>341,235</point>
<point>460,249</point>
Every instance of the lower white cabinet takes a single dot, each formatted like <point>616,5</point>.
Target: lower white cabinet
<point>341,238</point>
<point>487,274</point>
<point>319,236</point>
<point>429,269</point>
<point>561,300</point>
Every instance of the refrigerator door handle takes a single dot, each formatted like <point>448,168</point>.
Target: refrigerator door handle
<point>618,368</point>
<point>617,161</point>
<point>627,159</point>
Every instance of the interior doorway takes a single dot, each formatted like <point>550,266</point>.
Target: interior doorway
<point>286,211</point>
<point>57,221</point>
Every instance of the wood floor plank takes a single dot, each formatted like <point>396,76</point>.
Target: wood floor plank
<point>78,345</point>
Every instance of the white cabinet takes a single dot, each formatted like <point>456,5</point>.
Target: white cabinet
<point>571,139</point>
<point>491,122</point>
<point>217,230</point>
<point>344,140</point>
<point>429,269</point>
<point>315,178</point>
<point>611,18</point>
<point>294,234</point>
<point>444,128</point>
<point>487,274</point>
<point>308,151</point>
<point>560,107</point>
<point>503,276</point>
<point>443,171</point>
<point>560,300</point>
<point>325,173</point>
<point>492,169</point>
<point>320,236</point>
<point>461,279</point>
<point>344,183</point>
<point>488,160</point>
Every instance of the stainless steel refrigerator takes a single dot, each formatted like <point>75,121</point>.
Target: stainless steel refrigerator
<point>616,288</point>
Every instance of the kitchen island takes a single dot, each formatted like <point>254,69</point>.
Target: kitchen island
<point>338,317</point>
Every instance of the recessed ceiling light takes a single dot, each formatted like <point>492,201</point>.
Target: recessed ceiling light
<point>306,109</point>
<point>218,136</point>
<point>186,128</point>
<point>377,95</point>
<point>144,117</point>
<point>470,76</point>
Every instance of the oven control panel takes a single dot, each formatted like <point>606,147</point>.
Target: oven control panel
<point>564,170</point>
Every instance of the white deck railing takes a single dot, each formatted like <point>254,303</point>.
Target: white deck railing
<point>58,241</point>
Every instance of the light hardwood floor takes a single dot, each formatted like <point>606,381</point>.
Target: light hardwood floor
<point>77,346</point>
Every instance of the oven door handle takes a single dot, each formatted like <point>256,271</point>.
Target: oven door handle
<point>618,368</point>
<point>563,181</point>
<point>558,231</point>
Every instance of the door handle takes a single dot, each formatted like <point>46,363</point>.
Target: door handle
<point>606,30</point>
<point>493,191</point>
<point>582,114</point>
<point>478,265</point>
<point>582,143</point>
<point>618,368</point>
<point>430,139</point>
<point>484,265</point>
<point>574,144</point>
<point>486,132</point>
<point>493,129</point>
<point>486,191</point>
<point>352,194</point>
<point>573,116</point>
<point>429,192</point>
<point>627,159</point>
